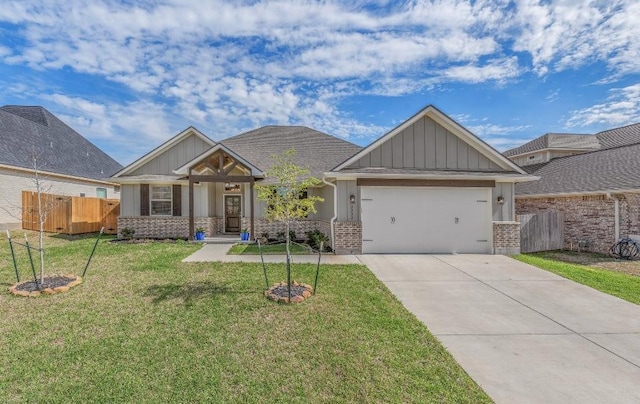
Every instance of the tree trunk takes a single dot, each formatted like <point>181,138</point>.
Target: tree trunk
<point>288,241</point>
<point>41,218</point>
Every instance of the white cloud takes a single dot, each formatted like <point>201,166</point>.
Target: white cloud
<point>134,127</point>
<point>561,34</point>
<point>622,107</point>
<point>231,65</point>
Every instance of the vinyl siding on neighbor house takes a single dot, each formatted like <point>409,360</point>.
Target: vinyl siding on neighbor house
<point>427,145</point>
<point>15,181</point>
<point>178,155</point>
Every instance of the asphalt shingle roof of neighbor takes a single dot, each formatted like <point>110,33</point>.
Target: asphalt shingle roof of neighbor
<point>625,135</point>
<point>26,131</point>
<point>557,140</point>
<point>603,170</point>
<point>316,150</point>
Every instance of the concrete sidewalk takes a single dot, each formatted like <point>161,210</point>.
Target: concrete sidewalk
<point>218,252</point>
<point>523,334</point>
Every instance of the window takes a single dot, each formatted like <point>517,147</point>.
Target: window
<point>161,200</point>
<point>101,192</point>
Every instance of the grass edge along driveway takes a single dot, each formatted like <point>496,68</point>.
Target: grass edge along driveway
<point>617,284</point>
<point>145,327</point>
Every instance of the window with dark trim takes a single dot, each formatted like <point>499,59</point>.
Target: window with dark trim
<point>160,200</point>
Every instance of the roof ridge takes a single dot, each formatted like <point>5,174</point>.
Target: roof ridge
<point>618,128</point>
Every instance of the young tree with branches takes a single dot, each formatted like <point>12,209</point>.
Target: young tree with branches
<point>284,196</point>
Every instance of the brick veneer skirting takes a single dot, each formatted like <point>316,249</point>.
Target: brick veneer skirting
<point>178,227</point>
<point>348,237</point>
<point>590,218</point>
<point>506,238</point>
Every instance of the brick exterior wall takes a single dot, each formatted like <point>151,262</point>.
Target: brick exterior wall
<point>506,238</point>
<point>590,218</point>
<point>178,227</point>
<point>348,237</point>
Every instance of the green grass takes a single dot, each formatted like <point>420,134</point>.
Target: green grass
<point>145,327</point>
<point>268,249</point>
<point>624,286</point>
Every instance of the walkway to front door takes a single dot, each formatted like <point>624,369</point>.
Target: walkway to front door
<point>232,213</point>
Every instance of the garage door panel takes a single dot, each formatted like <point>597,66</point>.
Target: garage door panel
<point>425,220</point>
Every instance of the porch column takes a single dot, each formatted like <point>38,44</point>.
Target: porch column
<point>252,208</point>
<point>191,229</point>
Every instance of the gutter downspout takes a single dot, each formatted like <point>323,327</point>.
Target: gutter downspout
<point>335,210</point>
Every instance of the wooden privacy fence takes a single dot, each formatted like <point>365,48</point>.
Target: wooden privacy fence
<point>70,214</point>
<point>541,231</point>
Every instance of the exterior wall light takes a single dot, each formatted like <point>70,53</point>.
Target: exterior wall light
<point>352,198</point>
<point>500,200</point>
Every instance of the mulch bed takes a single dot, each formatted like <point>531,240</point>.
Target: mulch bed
<point>280,292</point>
<point>50,285</point>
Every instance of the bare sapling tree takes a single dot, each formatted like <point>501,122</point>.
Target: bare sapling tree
<point>284,195</point>
<point>45,204</point>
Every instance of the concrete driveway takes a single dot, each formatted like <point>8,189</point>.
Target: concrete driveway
<point>523,334</point>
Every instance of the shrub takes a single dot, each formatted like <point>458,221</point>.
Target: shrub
<point>127,233</point>
<point>315,237</point>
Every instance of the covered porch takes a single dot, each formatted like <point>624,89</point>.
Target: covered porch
<point>225,196</point>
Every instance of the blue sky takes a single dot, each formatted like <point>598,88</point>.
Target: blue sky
<point>128,75</point>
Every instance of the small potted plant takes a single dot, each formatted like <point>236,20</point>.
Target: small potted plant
<point>244,235</point>
<point>200,233</point>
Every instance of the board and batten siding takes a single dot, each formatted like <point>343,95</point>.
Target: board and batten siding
<point>506,211</point>
<point>347,211</point>
<point>177,156</point>
<point>427,145</point>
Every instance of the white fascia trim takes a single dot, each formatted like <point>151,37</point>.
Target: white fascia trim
<point>162,148</point>
<point>583,193</point>
<point>184,170</point>
<point>57,175</point>
<point>497,177</point>
<point>448,124</point>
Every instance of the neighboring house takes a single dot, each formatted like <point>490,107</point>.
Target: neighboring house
<point>67,162</point>
<point>428,185</point>
<point>597,188</point>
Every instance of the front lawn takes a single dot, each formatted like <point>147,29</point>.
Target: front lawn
<point>267,249</point>
<point>618,284</point>
<point>145,327</point>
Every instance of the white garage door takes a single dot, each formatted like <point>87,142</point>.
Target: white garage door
<point>426,220</point>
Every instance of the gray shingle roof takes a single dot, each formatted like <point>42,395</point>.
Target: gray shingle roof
<point>625,135</point>
<point>557,141</point>
<point>29,130</point>
<point>316,150</point>
<point>603,170</point>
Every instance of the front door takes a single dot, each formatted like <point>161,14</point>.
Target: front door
<point>232,213</point>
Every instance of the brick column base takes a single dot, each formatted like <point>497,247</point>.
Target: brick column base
<point>348,237</point>
<point>506,238</point>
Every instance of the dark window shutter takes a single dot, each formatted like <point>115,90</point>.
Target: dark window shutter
<point>144,199</point>
<point>177,200</point>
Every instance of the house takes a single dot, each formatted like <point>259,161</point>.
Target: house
<point>429,185</point>
<point>68,164</point>
<point>596,185</point>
